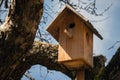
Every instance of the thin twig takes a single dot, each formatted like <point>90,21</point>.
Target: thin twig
<point>113,45</point>
<point>1,2</point>
<point>29,76</point>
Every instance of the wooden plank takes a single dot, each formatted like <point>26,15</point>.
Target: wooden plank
<point>90,26</point>
<point>88,45</point>
<point>75,64</point>
<point>54,26</point>
<point>80,75</point>
<point>75,44</point>
<point>63,55</point>
<point>62,45</point>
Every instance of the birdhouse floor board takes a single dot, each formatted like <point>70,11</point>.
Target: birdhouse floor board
<point>75,64</point>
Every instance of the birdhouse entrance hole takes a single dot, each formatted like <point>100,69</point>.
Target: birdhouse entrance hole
<point>69,30</point>
<point>71,25</point>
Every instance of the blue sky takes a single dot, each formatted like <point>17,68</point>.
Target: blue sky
<point>109,29</point>
<point>39,72</point>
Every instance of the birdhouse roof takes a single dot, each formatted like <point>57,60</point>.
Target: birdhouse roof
<point>53,28</point>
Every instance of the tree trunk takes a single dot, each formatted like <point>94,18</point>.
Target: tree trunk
<point>17,34</point>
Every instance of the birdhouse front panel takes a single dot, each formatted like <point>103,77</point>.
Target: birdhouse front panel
<point>71,39</point>
<point>71,42</point>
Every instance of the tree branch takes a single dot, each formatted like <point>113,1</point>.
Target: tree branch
<point>17,33</point>
<point>47,54</point>
<point>44,54</point>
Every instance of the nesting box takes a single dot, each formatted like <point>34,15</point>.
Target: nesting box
<point>74,33</point>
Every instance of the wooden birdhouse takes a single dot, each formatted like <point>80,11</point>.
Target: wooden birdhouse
<point>74,33</point>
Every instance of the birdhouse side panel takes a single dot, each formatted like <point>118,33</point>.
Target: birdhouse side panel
<point>88,45</point>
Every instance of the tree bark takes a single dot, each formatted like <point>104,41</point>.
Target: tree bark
<point>44,54</point>
<point>17,34</point>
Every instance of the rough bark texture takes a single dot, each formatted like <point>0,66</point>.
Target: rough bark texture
<point>44,54</point>
<point>99,66</point>
<point>16,39</point>
<point>17,34</point>
<point>112,70</point>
